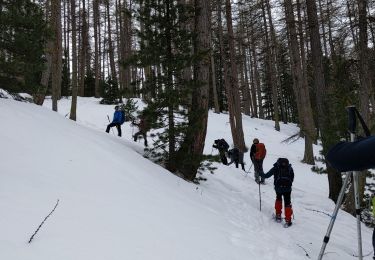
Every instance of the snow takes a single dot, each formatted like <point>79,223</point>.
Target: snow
<point>115,204</point>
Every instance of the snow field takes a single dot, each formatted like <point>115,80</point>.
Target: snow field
<point>115,204</point>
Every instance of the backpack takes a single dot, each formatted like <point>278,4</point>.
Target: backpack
<point>122,117</point>
<point>223,144</point>
<point>284,177</point>
<point>261,151</point>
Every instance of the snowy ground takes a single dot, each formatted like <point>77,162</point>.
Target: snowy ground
<point>115,204</point>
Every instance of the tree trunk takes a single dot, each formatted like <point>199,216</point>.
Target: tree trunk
<point>271,61</point>
<point>199,110</point>
<point>321,92</point>
<point>234,106</point>
<point>73,108</point>
<point>84,47</point>
<point>97,49</point>
<point>110,46</point>
<point>364,75</point>
<point>300,88</point>
<point>214,89</point>
<point>57,52</point>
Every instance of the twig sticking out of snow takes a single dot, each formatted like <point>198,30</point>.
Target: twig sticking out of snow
<point>306,253</point>
<point>41,224</point>
<point>292,138</point>
<point>314,210</point>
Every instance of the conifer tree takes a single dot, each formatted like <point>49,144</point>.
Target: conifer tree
<point>23,33</point>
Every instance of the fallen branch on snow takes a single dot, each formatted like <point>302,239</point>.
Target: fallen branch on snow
<point>41,224</point>
<point>306,253</point>
<point>314,210</point>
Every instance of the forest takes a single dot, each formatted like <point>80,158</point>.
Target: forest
<point>290,61</point>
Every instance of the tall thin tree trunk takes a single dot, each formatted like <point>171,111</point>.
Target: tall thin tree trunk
<point>271,61</point>
<point>57,52</point>
<point>300,88</point>
<point>73,108</point>
<point>234,106</point>
<point>111,52</point>
<point>334,179</point>
<point>84,47</point>
<point>97,49</point>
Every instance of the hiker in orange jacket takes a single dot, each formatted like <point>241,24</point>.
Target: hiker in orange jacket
<point>257,154</point>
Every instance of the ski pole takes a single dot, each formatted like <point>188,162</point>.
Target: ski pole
<point>260,198</point>
<point>109,120</point>
<point>251,166</point>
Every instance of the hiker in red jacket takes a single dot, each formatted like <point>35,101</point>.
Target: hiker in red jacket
<point>257,154</point>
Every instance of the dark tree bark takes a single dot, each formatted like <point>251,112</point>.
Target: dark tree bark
<point>73,108</point>
<point>300,88</point>
<point>199,109</point>
<point>234,105</point>
<point>97,49</point>
<point>57,52</point>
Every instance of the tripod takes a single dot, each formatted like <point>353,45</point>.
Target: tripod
<point>352,112</point>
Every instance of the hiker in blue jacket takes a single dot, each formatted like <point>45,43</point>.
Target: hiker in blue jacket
<point>283,174</point>
<point>118,120</point>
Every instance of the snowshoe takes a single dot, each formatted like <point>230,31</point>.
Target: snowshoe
<point>287,224</point>
<point>277,218</point>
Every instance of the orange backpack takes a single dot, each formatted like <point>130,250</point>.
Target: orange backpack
<point>260,151</point>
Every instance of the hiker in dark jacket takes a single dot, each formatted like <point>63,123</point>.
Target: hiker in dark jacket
<point>236,156</point>
<point>143,127</point>
<point>118,120</point>
<point>222,146</point>
<point>257,154</point>
<point>283,176</point>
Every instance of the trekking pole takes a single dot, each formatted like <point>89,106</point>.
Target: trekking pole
<point>248,171</point>
<point>260,198</point>
<point>109,120</point>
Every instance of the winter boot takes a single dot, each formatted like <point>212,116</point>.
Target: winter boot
<point>288,215</point>
<point>278,208</point>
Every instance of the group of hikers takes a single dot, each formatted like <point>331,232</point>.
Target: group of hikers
<point>119,118</point>
<point>281,170</point>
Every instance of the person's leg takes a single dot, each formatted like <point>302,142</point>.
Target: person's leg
<point>288,207</point>
<point>243,166</point>
<point>145,138</point>
<point>260,167</point>
<point>256,171</point>
<point>223,157</point>
<point>118,126</point>
<point>135,136</point>
<point>278,205</point>
<point>236,163</point>
<point>109,126</point>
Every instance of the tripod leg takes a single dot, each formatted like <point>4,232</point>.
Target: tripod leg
<point>358,213</point>
<point>333,218</point>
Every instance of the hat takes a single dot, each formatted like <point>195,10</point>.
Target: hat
<point>256,141</point>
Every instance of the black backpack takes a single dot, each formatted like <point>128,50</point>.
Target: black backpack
<point>223,144</point>
<point>284,175</point>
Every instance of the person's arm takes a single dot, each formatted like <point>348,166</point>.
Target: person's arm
<point>353,156</point>
<point>268,174</point>
<point>253,151</point>
<point>292,174</point>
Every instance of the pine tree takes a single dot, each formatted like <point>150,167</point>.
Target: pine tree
<point>165,47</point>
<point>23,33</point>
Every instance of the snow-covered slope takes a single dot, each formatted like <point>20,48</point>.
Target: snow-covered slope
<point>114,204</point>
